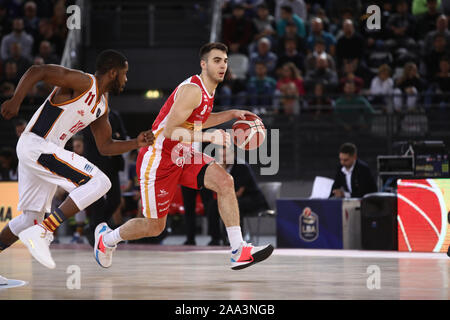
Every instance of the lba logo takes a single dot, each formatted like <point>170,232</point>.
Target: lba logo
<point>309,225</point>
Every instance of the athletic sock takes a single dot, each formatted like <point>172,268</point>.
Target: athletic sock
<point>53,221</point>
<point>112,238</point>
<point>235,237</point>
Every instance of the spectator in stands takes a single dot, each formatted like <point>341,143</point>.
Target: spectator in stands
<point>353,177</point>
<point>320,103</point>
<point>317,32</point>
<point>10,74</point>
<point>249,196</point>
<point>350,46</point>
<point>420,7</point>
<point>432,59</point>
<point>353,111</point>
<point>47,33</point>
<point>237,31</point>
<point>42,88</point>
<point>17,35</point>
<point>349,75</point>
<point>337,8</point>
<point>319,51</point>
<point>426,22</point>
<point>59,20</point>
<point>264,24</point>
<point>46,53</point>
<point>16,56</point>
<point>232,90</point>
<point>263,54</point>
<point>291,34</point>
<point>298,8</point>
<point>31,21</point>
<point>291,74</point>
<point>440,86</point>
<point>382,87</point>
<point>291,54</point>
<point>7,89</point>
<point>407,88</point>
<point>287,100</point>
<point>321,13</point>
<point>261,87</point>
<point>442,29</point>
<point>322,73</point>
<point>287,15</point>
<point>5,22</point>
<point>8,164</point>
<point>402,27</point>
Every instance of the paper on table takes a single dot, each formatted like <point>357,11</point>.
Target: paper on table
<point>321,188</point>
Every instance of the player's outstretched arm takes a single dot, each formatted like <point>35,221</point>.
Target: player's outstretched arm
<point>50,73</point>
<point>101,129</point>
<point>216,118</point>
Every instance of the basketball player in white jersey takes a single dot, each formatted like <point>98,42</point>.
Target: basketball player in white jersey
<point>171,160</point>
<point>78,100</point>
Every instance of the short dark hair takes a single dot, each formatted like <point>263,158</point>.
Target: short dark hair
<point>109,59</point>
<point>208,47</point>
<point>288,9</point>
<point>348,148</point>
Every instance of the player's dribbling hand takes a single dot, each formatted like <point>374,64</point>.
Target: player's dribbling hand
<point>145,138</point>
<point>220,137</point>
<point>240,114</point>
<point>10,109</point>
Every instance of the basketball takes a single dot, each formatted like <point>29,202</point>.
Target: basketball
<point>250,133</point>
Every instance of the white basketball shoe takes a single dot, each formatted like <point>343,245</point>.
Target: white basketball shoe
<point>38,239</point>
<point>247,254</point>
<point>3,281</point>
<point>103,253</point>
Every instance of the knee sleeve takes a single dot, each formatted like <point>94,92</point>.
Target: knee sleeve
<point>25,220</point>
<point>90,192</point>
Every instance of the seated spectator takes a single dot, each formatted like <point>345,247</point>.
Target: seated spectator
<point>46,53</point>
<point>291,74</point>
<point>260,87</point>
<point>263,54</point>
<point>16,56</point>
<point>17,35</point>
<point>321,13</point>
<point>442,29</point>
<point>59,20</point>
<point>319,103</point>
<point>31,20</point>
<point>287,15</point>
<point>287,100</point>
<point>232,91</point>
<point>298,7</point>
<point>322,73</point>
<point>350,46</point>
<point>291,34</point>
<point>349,75</point>
<point>319,51</point>
<point>41,88</point>
<point>237,31</point>
<point>407,88</point>
<point>440,86</point>
<point>420,7</point>
<point>291,54</point>
<point>401,26</point>
<point>432,59</point>
<point>264,24</point>
<point>426,22</point>
<point>8,164</point>
<point>317,33</point>
<point>352,110</point>
<point>10,74</point>
<point>382,87</point>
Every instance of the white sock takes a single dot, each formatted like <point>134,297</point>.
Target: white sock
<point>112,238</point>
<point>235,237</point>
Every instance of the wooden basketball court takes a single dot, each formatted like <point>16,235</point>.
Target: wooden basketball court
<point>160,272</point>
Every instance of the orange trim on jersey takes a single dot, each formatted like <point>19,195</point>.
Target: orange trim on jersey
<point>62,161</point>
<point>72,100</point>
<point>147,173</point>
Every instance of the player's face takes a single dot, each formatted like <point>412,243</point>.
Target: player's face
<point>121,79</point>
<point>217,64</point>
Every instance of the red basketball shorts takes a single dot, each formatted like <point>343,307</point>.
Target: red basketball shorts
<point>160,171</point>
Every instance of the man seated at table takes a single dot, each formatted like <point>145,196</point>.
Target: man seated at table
<point>353,177</point>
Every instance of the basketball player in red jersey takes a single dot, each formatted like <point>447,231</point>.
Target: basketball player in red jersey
<point>78,100</point>
<point>171,161</point>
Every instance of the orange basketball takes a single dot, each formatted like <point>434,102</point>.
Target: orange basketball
<point>250,133</point>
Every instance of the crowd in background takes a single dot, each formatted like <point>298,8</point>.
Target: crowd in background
<point>320,57</point>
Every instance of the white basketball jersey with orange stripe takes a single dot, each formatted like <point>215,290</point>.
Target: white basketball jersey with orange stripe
<point>58,122</point>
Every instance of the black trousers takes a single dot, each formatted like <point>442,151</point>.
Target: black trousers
<point>189,201</point>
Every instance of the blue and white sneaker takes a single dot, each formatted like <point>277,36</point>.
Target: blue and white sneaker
<point>103,253</point>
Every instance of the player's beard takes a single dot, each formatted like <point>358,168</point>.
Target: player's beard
<point>115,86</point>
